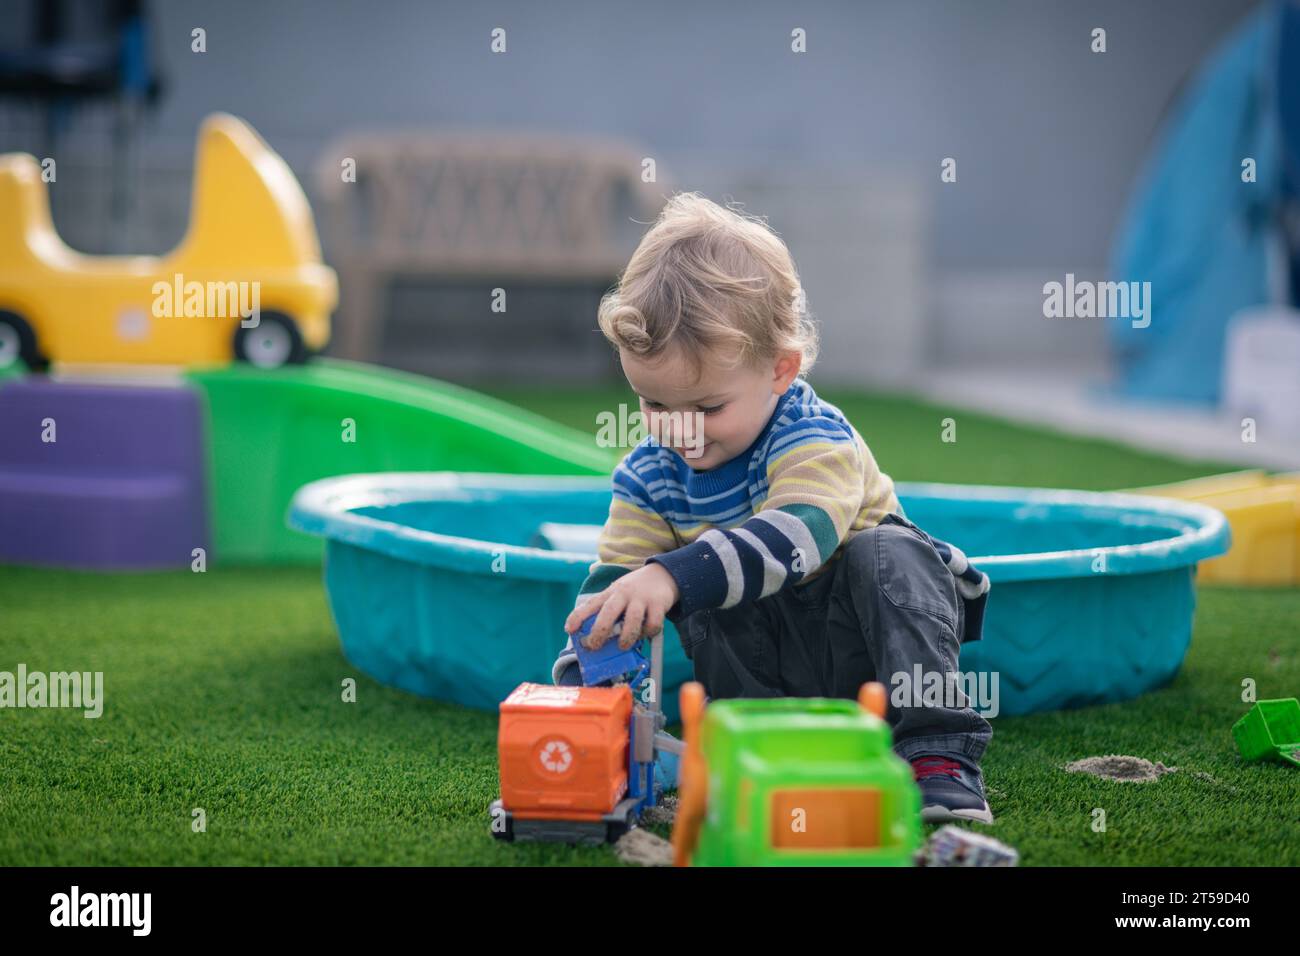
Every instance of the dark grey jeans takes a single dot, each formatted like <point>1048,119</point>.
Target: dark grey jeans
<point>887,604</point>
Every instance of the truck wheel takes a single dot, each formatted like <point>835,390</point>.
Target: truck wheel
<point>18,342</point>
<point>615,830</point>
<point>273,342</point>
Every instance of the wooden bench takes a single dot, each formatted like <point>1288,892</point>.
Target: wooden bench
<point>473,212</point>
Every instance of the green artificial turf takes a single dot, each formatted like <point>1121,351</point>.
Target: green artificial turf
<point>223,692</point>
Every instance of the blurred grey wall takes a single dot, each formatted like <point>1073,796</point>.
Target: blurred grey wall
<point>840,147</point>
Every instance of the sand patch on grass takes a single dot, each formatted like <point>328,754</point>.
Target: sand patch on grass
<point>642,848</point>
<point>1202,775</point>
<point>1120,767</point>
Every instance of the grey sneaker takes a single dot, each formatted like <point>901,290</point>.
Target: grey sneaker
<point>951,788</point>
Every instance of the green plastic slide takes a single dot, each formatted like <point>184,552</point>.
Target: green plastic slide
<point>270,432</point>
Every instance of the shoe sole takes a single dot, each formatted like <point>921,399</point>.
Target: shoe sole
<point>937,814</point>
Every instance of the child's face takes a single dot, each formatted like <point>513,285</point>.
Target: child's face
<point>712,417</point>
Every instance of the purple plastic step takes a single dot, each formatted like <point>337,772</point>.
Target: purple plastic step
<point>122,486</point>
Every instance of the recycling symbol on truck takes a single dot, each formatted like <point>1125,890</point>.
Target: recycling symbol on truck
<point>556,756</point>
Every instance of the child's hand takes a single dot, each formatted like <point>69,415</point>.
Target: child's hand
<point>641,598</point>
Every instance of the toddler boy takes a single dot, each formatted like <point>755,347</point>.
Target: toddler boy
<point>755,517</point>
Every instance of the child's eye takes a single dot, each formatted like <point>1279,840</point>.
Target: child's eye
<point>712,409</point>
<point>652,404</point>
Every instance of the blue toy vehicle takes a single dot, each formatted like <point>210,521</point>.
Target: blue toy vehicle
<point>609,662</point>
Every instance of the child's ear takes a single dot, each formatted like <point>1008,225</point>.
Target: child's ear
<point>787,369</point>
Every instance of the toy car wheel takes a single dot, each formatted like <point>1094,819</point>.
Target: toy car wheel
<point>17,342</point>
<point>273,342</point>
<point>616,829</point>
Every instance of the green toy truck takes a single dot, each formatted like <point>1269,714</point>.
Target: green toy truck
<point>793,782</point>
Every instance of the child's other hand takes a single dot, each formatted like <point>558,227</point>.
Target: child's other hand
<point>641,599</point>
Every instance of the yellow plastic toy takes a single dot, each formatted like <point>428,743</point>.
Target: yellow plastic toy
<point>1264,513</point>
<point>246,282</point>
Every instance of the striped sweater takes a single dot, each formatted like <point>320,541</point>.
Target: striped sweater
<point>773,516</point>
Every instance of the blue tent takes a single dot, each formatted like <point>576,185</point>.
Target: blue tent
<point>1195,230</point>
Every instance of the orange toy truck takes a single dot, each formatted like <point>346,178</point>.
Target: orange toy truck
<point>578,763</point>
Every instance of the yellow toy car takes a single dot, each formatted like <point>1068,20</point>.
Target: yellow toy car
<point>246,282</point>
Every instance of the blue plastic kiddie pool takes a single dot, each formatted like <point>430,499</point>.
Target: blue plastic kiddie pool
<point>451,585</point>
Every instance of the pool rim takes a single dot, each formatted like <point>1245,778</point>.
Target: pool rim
<point>327,508</point>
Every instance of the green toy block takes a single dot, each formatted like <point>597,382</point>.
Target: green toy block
<point>1270,731</point>
<point>804,782</point>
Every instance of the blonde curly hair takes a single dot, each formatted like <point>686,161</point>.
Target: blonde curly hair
<point>711,280</point>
